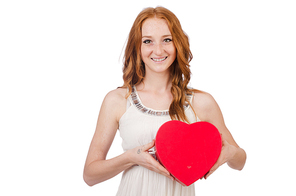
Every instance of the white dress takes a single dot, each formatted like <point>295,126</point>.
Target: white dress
<point>138,126</point>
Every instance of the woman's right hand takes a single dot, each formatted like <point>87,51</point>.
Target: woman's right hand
<point>140,156</point>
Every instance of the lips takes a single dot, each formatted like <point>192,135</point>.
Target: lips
<point>159,59</point>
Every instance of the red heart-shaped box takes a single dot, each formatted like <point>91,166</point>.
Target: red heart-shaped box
<point>188,151</point>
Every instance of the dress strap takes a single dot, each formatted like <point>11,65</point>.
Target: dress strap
<point>190,97</point>
<point>128,100</point>
<point>128,103</point>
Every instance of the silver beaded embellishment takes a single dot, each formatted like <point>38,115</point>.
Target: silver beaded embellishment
<point>136,101</point>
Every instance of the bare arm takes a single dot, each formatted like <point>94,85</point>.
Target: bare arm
<point>97,169</point>
<point>208,110</point>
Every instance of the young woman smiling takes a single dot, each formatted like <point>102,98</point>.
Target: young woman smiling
<point>156,73</point>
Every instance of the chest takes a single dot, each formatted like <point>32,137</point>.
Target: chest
<point>155,101</point>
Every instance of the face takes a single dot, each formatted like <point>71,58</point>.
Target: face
<point>158,51</point>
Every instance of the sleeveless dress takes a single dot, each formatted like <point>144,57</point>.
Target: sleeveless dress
<point>138,126</point>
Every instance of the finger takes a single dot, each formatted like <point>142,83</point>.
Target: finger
<point>148,146</point>
<point>207,175</point>
<point>157,167</point>
<point>163,170</point>
<point>214,168</point>
<point>167,174</point>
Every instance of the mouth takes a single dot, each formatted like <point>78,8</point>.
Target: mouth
<point>159,59</point>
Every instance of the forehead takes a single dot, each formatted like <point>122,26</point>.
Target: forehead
<point>155,26</point>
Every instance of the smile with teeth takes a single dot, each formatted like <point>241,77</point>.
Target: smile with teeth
<point>158,60</point>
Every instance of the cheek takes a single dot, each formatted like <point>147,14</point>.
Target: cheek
<point>144,52</point>
<point>172,51</point>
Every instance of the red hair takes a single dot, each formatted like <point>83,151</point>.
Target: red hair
<point>134,69</point>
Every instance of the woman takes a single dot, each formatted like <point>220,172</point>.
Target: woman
<point>156,74</point>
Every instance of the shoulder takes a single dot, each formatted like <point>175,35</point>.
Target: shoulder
<point>115,102</point>
<point>116,95</point>
<point>205,105</point>
<point>203,99</point>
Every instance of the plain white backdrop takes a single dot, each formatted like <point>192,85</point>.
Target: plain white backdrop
<point>59,58</point>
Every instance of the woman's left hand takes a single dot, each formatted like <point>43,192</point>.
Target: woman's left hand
<point>227,153</point>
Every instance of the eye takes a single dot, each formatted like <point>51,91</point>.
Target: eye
<point>167,40</point>
<point>147,41</point>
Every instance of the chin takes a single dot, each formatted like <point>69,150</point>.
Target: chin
<point>158,68</point>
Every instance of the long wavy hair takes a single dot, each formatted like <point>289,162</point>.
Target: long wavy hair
<point>134,69</point>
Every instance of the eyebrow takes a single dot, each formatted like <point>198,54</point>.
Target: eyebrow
<point>148,36</point>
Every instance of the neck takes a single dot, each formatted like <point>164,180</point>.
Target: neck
<point>159,82</point>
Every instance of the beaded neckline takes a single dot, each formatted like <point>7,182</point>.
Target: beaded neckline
<point>137,102</point>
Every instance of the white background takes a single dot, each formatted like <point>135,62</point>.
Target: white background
<point>59,58</point>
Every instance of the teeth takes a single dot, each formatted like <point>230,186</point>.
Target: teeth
<point>159,59</point>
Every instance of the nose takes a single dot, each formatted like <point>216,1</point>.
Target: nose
<point>158,50</point>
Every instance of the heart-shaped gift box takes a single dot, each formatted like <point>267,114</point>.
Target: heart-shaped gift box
<point>188,151</point>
